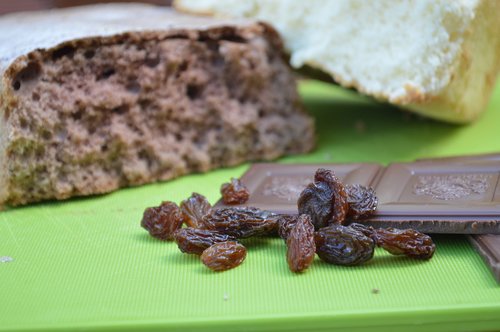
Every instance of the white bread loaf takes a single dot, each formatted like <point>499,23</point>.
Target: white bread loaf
<point>439,58</point>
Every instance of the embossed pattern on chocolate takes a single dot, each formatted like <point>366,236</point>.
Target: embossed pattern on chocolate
<point>450,187</point>
<point>287,187</point>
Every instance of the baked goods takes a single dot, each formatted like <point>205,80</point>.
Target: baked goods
<point>101,97</point>
<point>437,58</point>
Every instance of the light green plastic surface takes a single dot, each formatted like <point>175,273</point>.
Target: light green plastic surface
<point>86,263</point>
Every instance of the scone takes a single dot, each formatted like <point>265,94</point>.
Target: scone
<point>101,97</point>
<point>439,58</point>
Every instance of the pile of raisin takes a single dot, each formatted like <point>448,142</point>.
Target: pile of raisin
<point>326,225</point>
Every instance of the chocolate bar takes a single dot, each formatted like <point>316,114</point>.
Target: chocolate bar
<point>276,187</point>
<point>432,196</point>
<point>488,246</point>
<point>440,197</point>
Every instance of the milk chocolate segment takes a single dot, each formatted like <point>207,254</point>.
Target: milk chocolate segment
<point>276,187</point>
<point>488,246</point>
<point>431,189</point>
<point>440,196</point>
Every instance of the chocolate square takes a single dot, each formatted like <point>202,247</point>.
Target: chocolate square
<point>488,246</point>
<point>276,187</point>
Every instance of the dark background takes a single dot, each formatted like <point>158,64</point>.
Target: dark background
<point>9,6</point>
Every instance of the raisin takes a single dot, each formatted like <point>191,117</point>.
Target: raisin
<point>341,245</point>
<point>234,192</point>
<point>194,241</point>
<point>325,200</point>
<point>194,209</point>
<point>362,201</point>
<point>366,230</point>
<point>223,256</point>
<point>406,242</point>
<point>301,247</point>
<point>241,222</point>
<point>162,221</point>
<point>285,224</point>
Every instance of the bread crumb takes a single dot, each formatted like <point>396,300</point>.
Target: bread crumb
<point>6,259</point>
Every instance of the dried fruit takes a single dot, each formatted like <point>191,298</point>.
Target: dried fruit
<point>241,222</point>
<point>285,224</point>
<point>194,209</point>
<point>301,247</point>
<point>341,245</point>
<point>162,221</point>
<point>362,201</point>
<point>407,242</point>
<point>223,256</point>
<point>325,200</point>
<point>234,192</point>
<point>366,230</point>
<point>195,241</point>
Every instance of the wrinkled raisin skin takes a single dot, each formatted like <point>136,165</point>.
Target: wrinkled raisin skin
<point>325,200</point>
<point>223,256</point>
<point>195,241</point>
<point>162,221</point>
<point>194,209</point>
<point>408,242</point>
<point>234,192</point>
<point>285,224</point>
<point>301,247</point>
<point>362,201</point>
<point>341,245</point>
<point>241,222</point>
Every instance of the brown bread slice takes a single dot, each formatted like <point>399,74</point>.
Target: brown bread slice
<point>101,97</point>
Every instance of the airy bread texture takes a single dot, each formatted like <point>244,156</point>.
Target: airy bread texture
<point>439,58</point>
<point>97,98</point>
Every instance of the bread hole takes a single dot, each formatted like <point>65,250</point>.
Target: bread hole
<point>35,96</point>
<point>46,135</point>
<point>120,109</point>
<point>40,151</point>
<point>106,73</point>
<point>213,45</point>
<point>16,85</point>
<point>144,104</point>
<point>178,136</point>
<point>183,66</point>
<point>193,91</point>
<point>104,147</point>
<point>218,61</point>
<point>77,115</point>
<point>67,51</point>
<point>133,86</point>
<point>28,73</point>
<point>23,123</point>
<point>89,54</point>
<point>234,39</point>
<point>152,62</point>
<point>144,155</point>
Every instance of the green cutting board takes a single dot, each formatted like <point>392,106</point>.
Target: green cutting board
<point>86,263</point>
